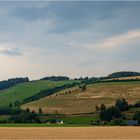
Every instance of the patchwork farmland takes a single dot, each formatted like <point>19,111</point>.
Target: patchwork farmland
<point>84,102</point>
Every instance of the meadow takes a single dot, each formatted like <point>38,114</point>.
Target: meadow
<point>25,90</point>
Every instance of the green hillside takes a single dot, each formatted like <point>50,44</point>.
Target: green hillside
<point>28,89</point>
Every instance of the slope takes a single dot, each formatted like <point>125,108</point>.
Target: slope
<point>28,89</point>
<point>82,102</point>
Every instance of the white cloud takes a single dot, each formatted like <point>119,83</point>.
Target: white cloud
<point>116,41</point>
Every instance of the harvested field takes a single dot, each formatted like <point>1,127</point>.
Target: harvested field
<point>84,102</point>
<point>127,78</point>
<point>70,133</point>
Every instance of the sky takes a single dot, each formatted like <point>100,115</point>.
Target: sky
<point>74,39</point>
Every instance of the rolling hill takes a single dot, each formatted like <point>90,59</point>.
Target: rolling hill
<point>24,90</point>
<point>123,74</point>
<point>66,102</point>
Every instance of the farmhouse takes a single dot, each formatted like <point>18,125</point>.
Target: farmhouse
<point>59,122</point>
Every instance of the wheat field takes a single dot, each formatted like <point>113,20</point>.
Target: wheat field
<point>70,133</point>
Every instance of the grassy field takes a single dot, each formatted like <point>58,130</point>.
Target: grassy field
<point>80,120</point>
<point>25,90</point>
<point>38,125</point>
<point>83,102</point>
<point>69,121</point>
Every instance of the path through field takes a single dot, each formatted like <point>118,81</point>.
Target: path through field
<point>70,133</point>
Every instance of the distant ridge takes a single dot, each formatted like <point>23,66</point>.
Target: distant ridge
<point>12,82</point>
<point>123,74</point>
<point>56,78</point>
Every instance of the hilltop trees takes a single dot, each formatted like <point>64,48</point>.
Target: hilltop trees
<point>12,82</point>
<point>123,74</point>
<point>56,78</point>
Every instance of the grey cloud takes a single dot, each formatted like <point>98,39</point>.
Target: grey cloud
<point>11,52</point>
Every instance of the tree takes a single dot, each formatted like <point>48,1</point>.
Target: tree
<point>119,104</point>
<point>11,105</point>
<point>40,110</point>
<point>27,110</point>
<point>17,103</point>
<point>125,105</point>
<point>56,78</point>
<point>102,107</point>
<point>110,113</point>
<point>25,117</point>
<point>137,104</point>
<point>122,105</point>
<point>97,107</point>
<point>119,121</point>
<point>83,87</point>
<point>12,82</point>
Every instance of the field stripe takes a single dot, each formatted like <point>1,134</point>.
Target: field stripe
<point>70,133</point>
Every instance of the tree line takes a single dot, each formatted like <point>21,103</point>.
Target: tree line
<point>56,78</point>
<point>116,112</point>
<point>47,92</point>
<point>123,74</point>
<point>12,82</point>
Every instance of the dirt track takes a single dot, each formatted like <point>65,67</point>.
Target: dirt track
<point>70,133</point>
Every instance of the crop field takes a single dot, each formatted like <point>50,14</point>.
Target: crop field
<point>70,133</point>
<point>127,78</point>
<point>25,90</point>
<point>84,102</point>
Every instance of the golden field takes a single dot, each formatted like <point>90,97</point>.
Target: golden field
<point>84,102</point>
<point>70,133</point>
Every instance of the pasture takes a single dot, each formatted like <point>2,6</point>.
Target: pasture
<point>25,90</point>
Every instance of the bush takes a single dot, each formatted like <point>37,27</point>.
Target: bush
<point>119,121</point>
<point>137,104</point>
<point>25,117</point>
<point>9,111</point>
<point>137,116</point>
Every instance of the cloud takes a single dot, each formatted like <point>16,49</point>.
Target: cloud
<point>10,49</point>
<point>67,16</point>
<point>11,52</point>
<point>117,41</point>
<point>68,38</point>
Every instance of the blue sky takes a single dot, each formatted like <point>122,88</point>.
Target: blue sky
<point>68,38</point>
